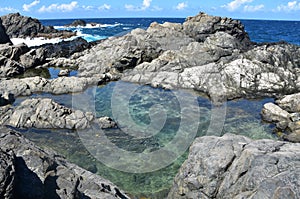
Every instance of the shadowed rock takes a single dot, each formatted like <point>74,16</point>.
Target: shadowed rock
<point>28,172</point>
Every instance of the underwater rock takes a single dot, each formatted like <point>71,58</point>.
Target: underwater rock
<point>234,166</point>
<point>23,165</point>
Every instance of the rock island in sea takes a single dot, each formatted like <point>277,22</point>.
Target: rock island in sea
<point>209,54</point>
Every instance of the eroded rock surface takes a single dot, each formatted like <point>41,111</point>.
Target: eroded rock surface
<point>24,165</point>
<point>237,167</point>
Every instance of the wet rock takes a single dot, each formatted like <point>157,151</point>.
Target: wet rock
<point>237,167</point>
<point>76,23</point>
<point>23,164</point>
<point>18,26</point>
<point>46,114</point>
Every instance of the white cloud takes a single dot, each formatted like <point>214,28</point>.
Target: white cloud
<point>248,8</point>
<point>104,7</point>
<point>26,7</point>
<point>181,6</point>
<point>88,7</point>
<point>60,7</point>
<point>146,4</point>
<point>8,9</point>
<point>234,5</point>
<point>291,6</point>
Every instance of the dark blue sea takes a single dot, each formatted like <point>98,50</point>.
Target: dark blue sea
<point>258,30</point>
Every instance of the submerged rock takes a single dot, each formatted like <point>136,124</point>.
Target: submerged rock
<point>237,167</point>
<point>23,165</point>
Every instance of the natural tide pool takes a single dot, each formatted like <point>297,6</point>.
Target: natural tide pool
<point>145,105</point>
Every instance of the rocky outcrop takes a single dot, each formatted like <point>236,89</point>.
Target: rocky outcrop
<point>286,116</point>
<point>24,165</point>
<point>44,114</point>
<point>206,53</point>
<point>236,167</point>
<point>4,38</point>
<point>18,26</point>
<point>76,23</point>
<point>61,85</point>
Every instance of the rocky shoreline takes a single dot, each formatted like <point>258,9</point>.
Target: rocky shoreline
<point>209,54</point>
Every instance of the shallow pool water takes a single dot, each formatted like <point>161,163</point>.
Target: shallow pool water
<point>149,119</point>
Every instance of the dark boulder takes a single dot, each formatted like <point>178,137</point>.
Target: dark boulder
<point>3,36</point>
<point>18,26</point>
<point>76,23</point>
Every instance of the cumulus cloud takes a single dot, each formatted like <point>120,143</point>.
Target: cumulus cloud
<point>104,7</point>
<point>290,6</point>
<point>234,5</point>
<point>146,4</point>
<point>26,7</point>
<point>248,8</point>
<point>8,9</point>
<point>181,6</point>
<point>60,7</point>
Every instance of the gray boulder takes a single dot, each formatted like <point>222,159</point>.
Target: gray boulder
<point>24,165</point>
<point>237,167</point>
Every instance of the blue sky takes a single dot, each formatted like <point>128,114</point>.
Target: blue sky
<point>242,9</point>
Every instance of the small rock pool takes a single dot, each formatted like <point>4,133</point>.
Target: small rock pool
<point>136,108</point>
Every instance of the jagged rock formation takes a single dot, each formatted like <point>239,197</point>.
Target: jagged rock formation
<point>27,171</point>
<point>237,167</point>
<point>206,53</point>
<point>18,26</point>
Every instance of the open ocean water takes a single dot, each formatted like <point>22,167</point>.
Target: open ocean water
<point>242,116</point>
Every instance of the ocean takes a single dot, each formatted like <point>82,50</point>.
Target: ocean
<point>258,30</point>
<point>242,116</point>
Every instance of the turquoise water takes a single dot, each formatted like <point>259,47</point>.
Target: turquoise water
<point>242,117</point>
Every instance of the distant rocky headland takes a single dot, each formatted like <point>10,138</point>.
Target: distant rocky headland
<point>209,54</point>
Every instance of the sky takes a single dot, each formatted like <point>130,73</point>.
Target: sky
<point>238,9</point>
